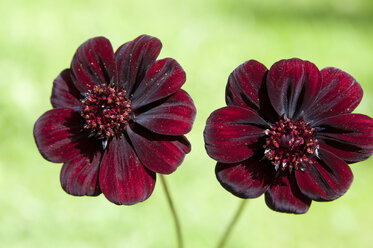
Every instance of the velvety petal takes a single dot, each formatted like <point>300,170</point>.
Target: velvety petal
<point>93,63</point>
<point>59,137</point>
<point>162,79</point>
<point>349,136</point>
<point>284,196</point>
<point>339,94</point>
<point>292,86</point>
<point>173,116</point>
<point>64,92</point>
<point>349,154</point>
<point>244,84</point>
<point>123,179</point>
<point>326,178</point>
<point>247,179</point>
<point>79,176</point>
<point>159,153</point>
<point>133,60</point>
<point>232,132</point>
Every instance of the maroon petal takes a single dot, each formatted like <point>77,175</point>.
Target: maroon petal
<point>64,93</point>
<point>244,84</point>
<point>133,60</point>
<point>173,116</point>
<point>93,64</point>
<point>123,179</point>
<point>247,179</point>
<point>284,196</point>
<point>349,154</point>
<point>79,176</point>
<point>349,136</point>
<point>232,132</point>
<point>159,153</point>
<point>339,94</point>
<point>326,178</point>
<point>292,86</point>
<point>58,135</point>
<point>162,79</point>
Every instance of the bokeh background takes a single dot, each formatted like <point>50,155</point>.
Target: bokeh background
<point>209,38</point>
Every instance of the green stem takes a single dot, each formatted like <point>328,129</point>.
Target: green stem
<point>232,224</point>
<point>174,214</point>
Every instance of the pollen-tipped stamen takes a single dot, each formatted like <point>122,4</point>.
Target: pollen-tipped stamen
<point>106,111</point>
<point>290,144</point>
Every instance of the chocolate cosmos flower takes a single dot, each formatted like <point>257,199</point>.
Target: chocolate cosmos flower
<point>288,132</point>
<point>117,120</point>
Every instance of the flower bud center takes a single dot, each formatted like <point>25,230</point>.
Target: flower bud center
<point>106,110</point>
<point>290,144</point>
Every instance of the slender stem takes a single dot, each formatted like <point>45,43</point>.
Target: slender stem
<point>232,223</point>
<point>174,214</point>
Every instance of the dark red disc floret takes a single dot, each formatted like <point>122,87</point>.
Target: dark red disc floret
<point>106,110</point>
<point>290,144</point>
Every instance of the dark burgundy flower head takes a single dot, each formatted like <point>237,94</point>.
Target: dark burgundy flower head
<point>288,132</point>
<point>117,120</point>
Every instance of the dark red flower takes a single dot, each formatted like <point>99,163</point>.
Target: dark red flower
<point>117,120</point>
<point>288,132</point>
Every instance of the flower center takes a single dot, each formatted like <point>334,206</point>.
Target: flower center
<point>106,110</point>
<point>290,144</point>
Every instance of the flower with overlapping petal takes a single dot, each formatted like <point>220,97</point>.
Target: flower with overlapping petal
<point>288,132</point>
<point>117,120</point>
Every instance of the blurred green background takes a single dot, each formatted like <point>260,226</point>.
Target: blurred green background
<point>209,39</point>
